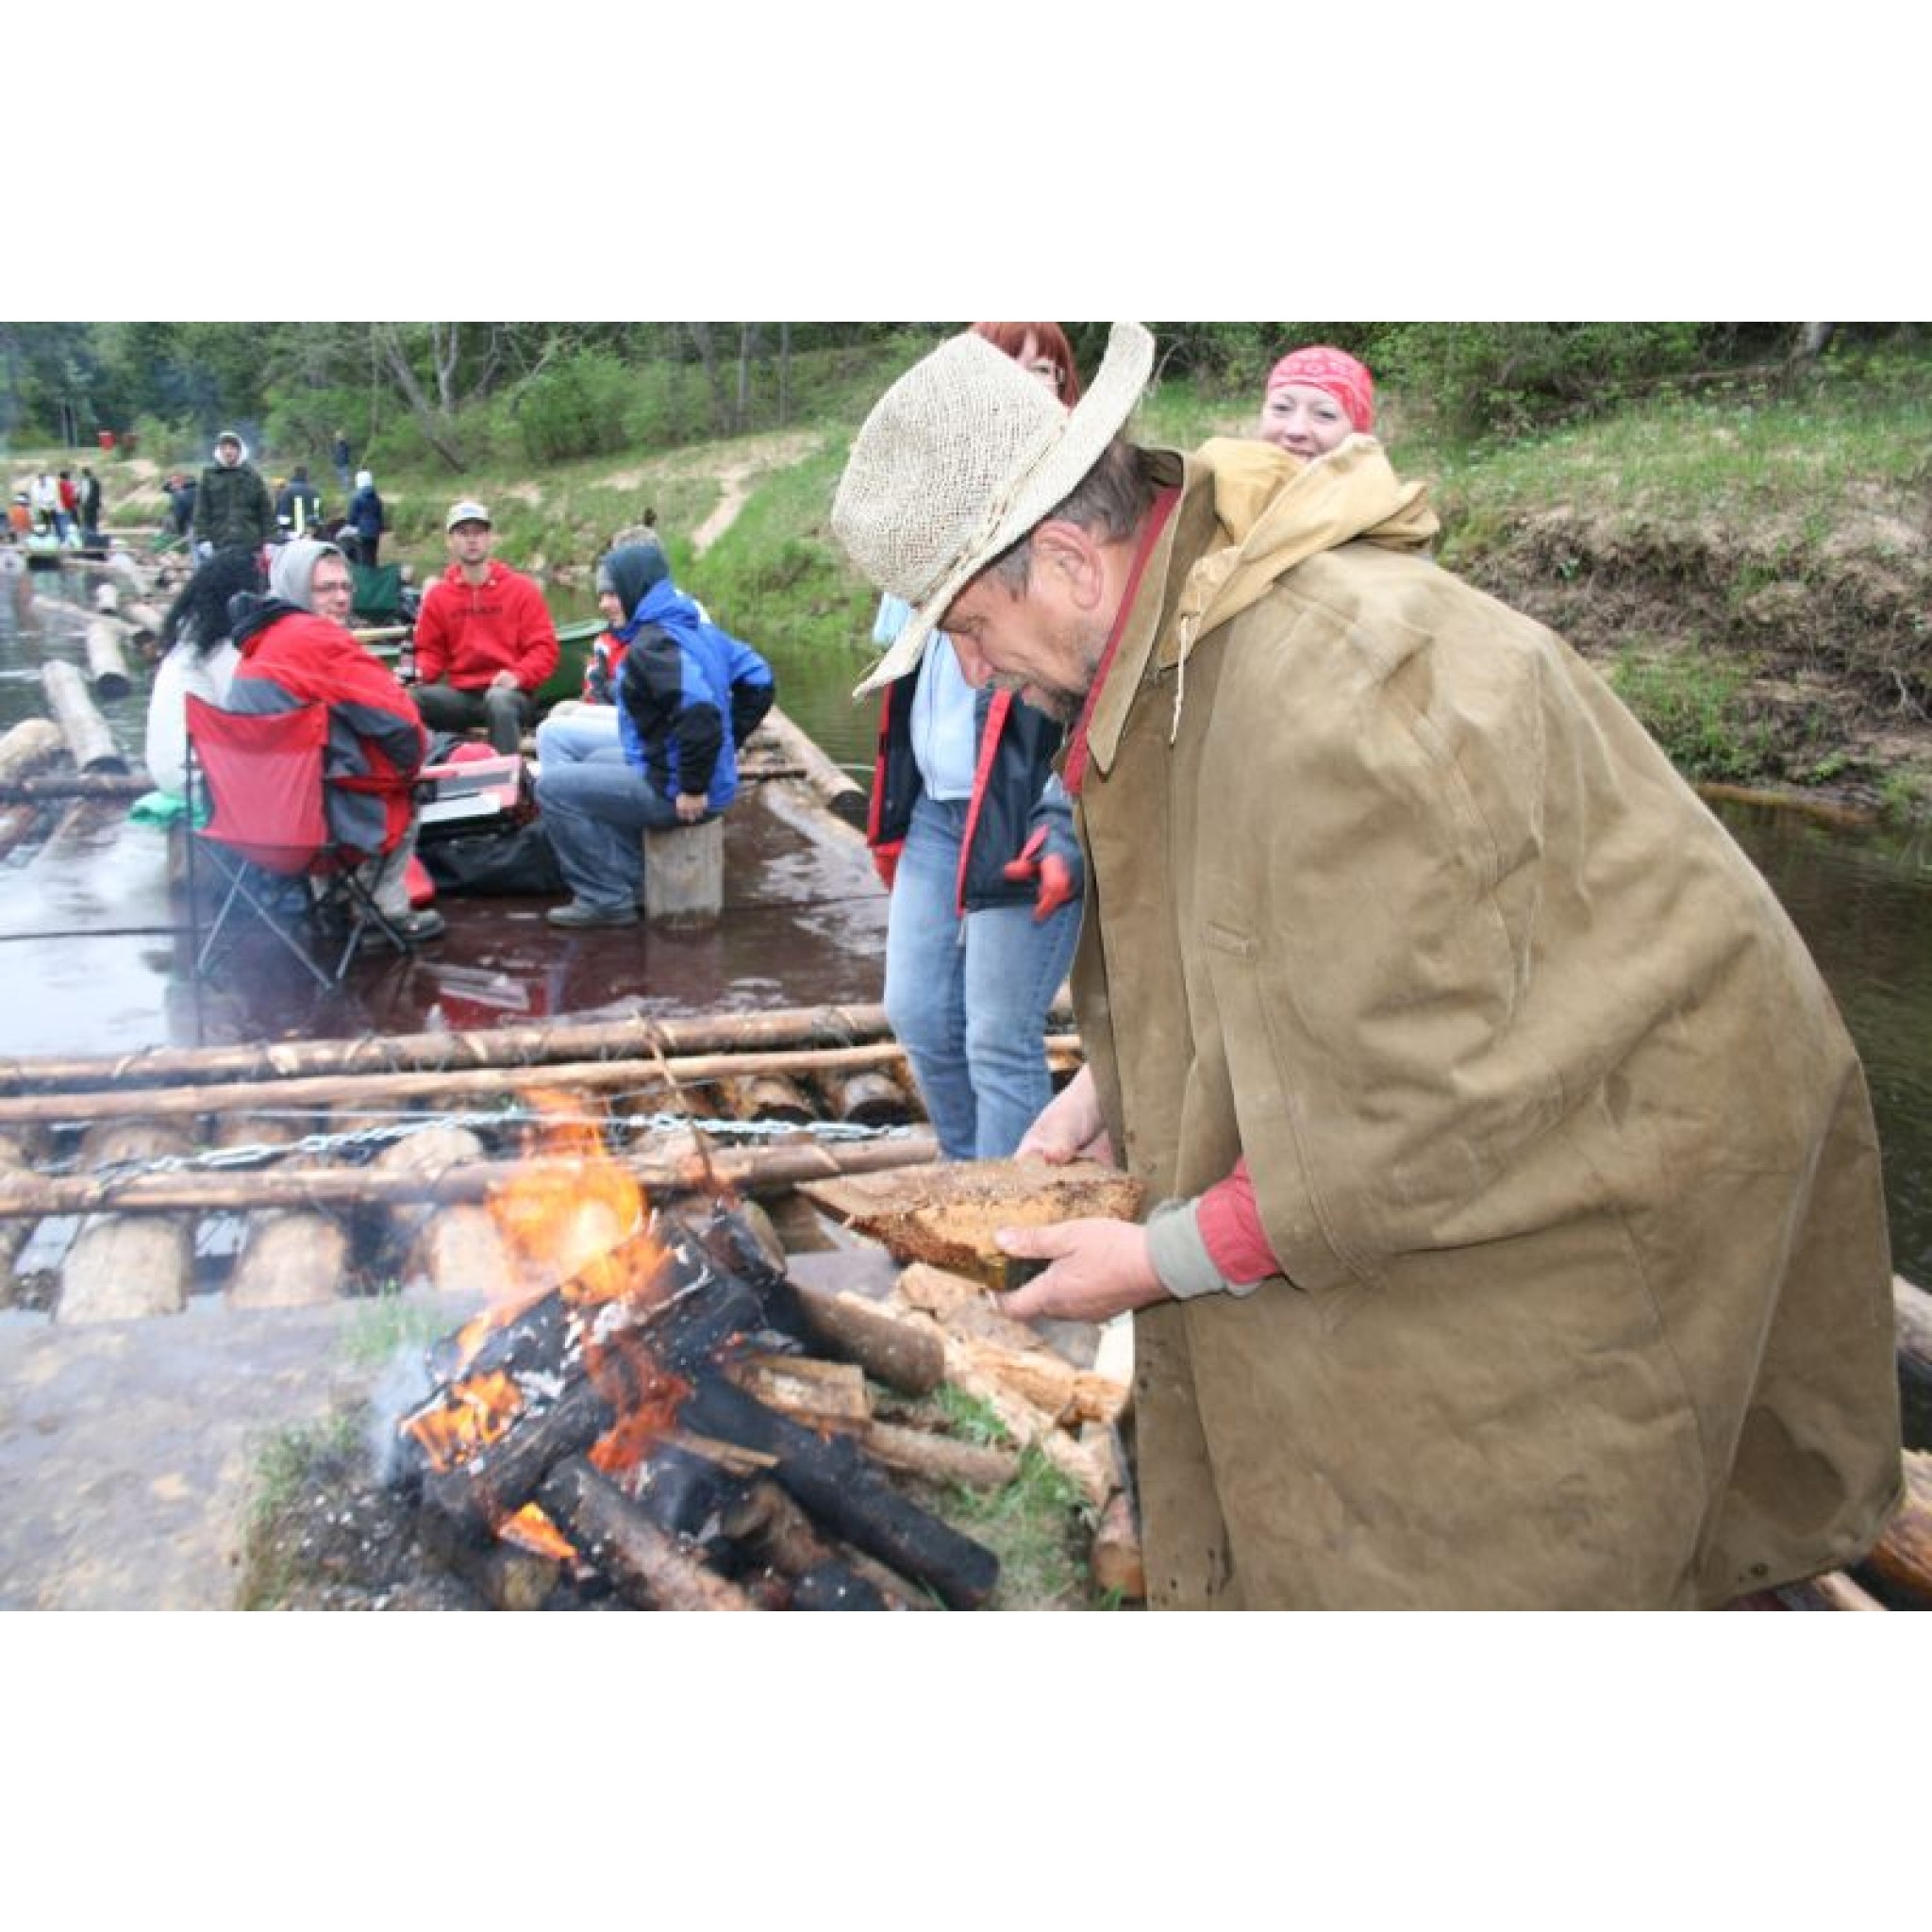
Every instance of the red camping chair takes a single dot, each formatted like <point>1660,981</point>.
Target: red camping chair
<point>264,786</point>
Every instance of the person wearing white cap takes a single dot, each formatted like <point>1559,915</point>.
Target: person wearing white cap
<point>485,640</point>
<point>232,508</point>
<point>1519,1237</point>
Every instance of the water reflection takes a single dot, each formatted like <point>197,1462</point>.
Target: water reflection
<point>1863,901</point>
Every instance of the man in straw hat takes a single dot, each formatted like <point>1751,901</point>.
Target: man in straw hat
<point>1521,1239</point>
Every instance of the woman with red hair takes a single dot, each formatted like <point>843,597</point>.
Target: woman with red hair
<point>973,832</point>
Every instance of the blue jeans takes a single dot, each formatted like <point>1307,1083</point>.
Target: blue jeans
<point>596,811</point>
<point>968,998</point>
<point>588,731</point>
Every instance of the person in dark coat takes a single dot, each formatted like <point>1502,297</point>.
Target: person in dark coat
<point>232,509</point>
<point>367,519</point>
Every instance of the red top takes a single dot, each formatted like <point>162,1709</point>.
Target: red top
<point>466,634</point>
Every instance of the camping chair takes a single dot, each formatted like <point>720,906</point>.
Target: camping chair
<point>268,828</point>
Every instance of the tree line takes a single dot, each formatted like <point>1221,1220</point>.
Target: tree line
<point>555,389</point>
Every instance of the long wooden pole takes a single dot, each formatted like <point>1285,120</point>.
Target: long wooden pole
<point>753,1170</point>
<point>395,1089</point>
<point>507,1046</point>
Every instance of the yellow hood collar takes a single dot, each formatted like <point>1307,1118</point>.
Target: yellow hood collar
<point>1276,511</point>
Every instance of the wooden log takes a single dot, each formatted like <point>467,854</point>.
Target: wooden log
<point>836,788</point>
<point>826,1396</point>
<point>769,1522</point>
<point>143,623</point>
<point>1900,1564</point>
<point>629,1040</point>
<point>1115,1561</point>
<point>436,1088</point>
<point>16,823</point>
<point>941,1459</point>
<point>451,1245</point>
<point>65,785</point>
<point>754,1171</point>
<point>1913,1308</point>
<point>996,1348</point>
<point>90,742</point>
<point>1091,1469</point>
<point>121,1266</point>
<point>903,1354</point>
<point>1914,1312</point>
<point>1834,1590</point>
<point>831,1479</point>
<point>684,874</point>
<point>505,1576</point>
<point>28,747</point>
<point>647,1566</point>
<point>106,667</point>
<point>866,1098</point>
<point>289,1258</point>
<point>766,1097</point>
<point>107,598</point>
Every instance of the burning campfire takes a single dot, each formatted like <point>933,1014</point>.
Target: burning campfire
<point>673,1416</point>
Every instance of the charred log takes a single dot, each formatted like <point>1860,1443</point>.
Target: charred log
<point>833,1480</point>
<point>649,1567</point>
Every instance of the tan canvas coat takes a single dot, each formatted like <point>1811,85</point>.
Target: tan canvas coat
<point>1552,1123</point>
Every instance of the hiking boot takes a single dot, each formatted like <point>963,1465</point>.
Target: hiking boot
<point>414,927</point>
<point>578,913</point>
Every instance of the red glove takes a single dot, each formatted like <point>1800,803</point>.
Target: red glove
<point>1056,879</point>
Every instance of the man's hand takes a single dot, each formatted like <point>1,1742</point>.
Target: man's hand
<point>1099,1268</point>
<point>691,807</point>
<point>505,680</point>
<point>1069,1127</point>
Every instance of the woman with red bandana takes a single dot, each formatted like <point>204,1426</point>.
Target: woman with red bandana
<point>1316,396</point>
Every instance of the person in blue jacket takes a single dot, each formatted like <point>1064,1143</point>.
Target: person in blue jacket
<point>689,694</point>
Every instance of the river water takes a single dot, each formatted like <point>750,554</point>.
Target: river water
<point>1861,897</point>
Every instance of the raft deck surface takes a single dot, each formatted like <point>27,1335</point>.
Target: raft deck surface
<point>91,966</point>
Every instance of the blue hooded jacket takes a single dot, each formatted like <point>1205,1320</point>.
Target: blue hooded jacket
<point>689,695</point>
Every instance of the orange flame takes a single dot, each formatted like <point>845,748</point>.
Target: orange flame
<point>472,1414</point>
<point>530,1529</point>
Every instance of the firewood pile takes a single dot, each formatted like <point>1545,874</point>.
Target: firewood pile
<point>682,1425</point>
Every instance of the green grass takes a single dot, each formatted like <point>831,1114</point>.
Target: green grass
<point>1039,1528</point>
<point>1691,703</point>
<point>290,1463</point>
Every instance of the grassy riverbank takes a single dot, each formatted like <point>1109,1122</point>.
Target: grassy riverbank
<point>1749,560</point>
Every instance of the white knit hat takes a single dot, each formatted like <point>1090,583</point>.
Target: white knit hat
<point>959,460</point>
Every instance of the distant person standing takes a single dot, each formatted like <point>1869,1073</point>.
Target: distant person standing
<point>232,508</point>
<point>341,456</point>
<point>367,518</point>
<point>298,508</point>
<point>485,642</point>
<point>179,490</point>
<point>90,508</point>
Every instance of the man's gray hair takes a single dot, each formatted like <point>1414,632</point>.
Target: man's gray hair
<point>1109,501</point>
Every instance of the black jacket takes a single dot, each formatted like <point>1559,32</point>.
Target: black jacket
<point>1014,793</point>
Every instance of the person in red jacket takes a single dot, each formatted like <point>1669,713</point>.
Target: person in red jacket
<point>295,651</point>
<point>485,642</point>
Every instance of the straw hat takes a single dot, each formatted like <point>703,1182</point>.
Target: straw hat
<point>959,460</point>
